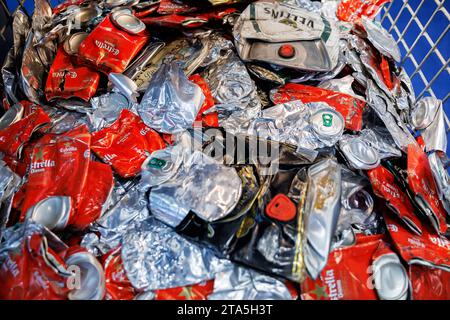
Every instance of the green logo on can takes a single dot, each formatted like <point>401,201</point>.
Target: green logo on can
<point>327,119</point>
<point>157,163</point>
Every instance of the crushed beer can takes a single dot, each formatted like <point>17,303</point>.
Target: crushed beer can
<point>218,149</point>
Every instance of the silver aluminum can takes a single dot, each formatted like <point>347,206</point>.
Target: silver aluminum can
<point>52,212</point>
<point>93,284</point>
<point>11,116</point>
<point>359,153</point>
<point>322,208</point>
<point>127,22</point>
<point>390,277</point>
<point>327,123</point>
<point>72,43</point>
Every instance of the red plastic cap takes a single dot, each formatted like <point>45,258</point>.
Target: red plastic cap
<point>281,208</point>
<point>286,51</point>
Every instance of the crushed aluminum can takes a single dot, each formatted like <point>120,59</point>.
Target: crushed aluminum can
<point>12,115</point>
<point>238,283</point>
<point>307,126</point>
<point>386,112</point>
<point>287,36</point>
<point>442,178</point>
<point>51,212</point>
<point>171,102</point>
<point>208,188</point>
<point>327,123</point>
<point>347,274</point>
<point>112,144</point>
<point>428,249</point>
<point>359,153</point>
<point>429,283</point>
<point>161,166</point>
<point>381,39</point>
<point>29,248</point>
<point>81,17</point>
<point>107,109</point>
<point>149,247</point>
<point>390,277</point>
<point>322,207</point>
<point>384,186</point>
<point>349,107</point>
<point>92,285</point>
<point>428,117</point>
<point>72,43</point>
<point>124,85</point>
<point>422,184</point>
<point>111,48</point>
<point>130,208</point>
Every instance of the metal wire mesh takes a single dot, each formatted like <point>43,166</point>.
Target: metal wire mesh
<point>421,30</point>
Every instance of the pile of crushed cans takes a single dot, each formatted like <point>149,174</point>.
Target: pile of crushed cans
<point>218,149</point>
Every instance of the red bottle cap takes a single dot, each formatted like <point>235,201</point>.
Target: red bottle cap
<point>286,51</point>
<point>281,208</point>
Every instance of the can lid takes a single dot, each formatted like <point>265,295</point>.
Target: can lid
<point>127,22</point>
<point>13,114</point>
<point>422,115</point>
<point>82,16</point>
<point>360,154</point>
<point>281,208</point>
<point>161,166</point>
<point>114,3</point>
<point>122,9</point>
<point>72,43</point>
<point>390,277</point>
<point>92,286</point>
<point>327,123</point>
<point>52,212</point>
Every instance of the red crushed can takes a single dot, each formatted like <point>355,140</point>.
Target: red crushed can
<point>126,144</point>
<point>66,79</point>
<point>349,107</point>
<point>114,42</point>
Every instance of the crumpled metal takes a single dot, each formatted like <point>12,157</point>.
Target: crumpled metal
<point>290,123</point>
<point>434,135</point>
<point>239,283</point>
<point>381,39</point>
<point>322,209</point>
<point>32,71</point>
<point>380,139</point>
<point>9,184</point>
<point>20,29</point>
<point>371,66</point>
<point>171,102</point>
<point>156,257</point>
<point>343,85</point>
<point>218,47</point>
<point>442,178</point>
<point>234,92</point>
<point>356,210</point>
<point>305,4</point>
<point>319,38</point>
<point>63,120</point>
<point>114,223</point>
<point>208,188</point>
<point>107,108</point>
<point>385,110</point>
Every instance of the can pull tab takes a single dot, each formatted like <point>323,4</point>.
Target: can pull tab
<point>281,208</point>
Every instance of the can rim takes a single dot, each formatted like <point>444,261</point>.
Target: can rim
<point>72,43</point>
<point>137,28</point>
